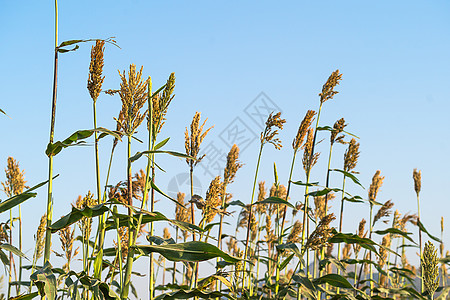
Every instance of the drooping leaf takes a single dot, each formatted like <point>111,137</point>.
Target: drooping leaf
<point>18,199</point>
<point>13,250</point>
<point>161,144</point>
<point>236,203</point>
<point>285,262</point>
<point>153,185</point>
<point>355,199</point>
<point>173,153</point>
<point>45,280</point>
<point>290,247</point>
<point>77,139</point>
<point>395,231</point>
<point>25,296</point>
<point>160,241</point>
<point>274,200</point>
<point>77,214</point>
<point>189,251</point>
<point>350,238</point>
<point>329,128</point>
<point>349,175</point>
<point>309,289</point>
<point>186,294</point>
<point>323,192</point>
<point>334,280</point>
<point>422,228</point>
<point>305,184</point>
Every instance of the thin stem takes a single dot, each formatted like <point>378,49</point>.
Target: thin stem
<point>48,234</point>
<point>129,264</point>
<point>420,243</point>
<point>280,235</point>
<point>20,248</point>
<point>250,216</point>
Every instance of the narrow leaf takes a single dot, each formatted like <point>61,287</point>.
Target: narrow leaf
<point>77,214</point>
<point>422,228</point>
<point>274,200</point>
<point>189,251</point>
<point>349,175</point>
<point>334,280</point>
<point>18,199</point>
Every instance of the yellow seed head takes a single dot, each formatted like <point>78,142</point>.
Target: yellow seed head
<point>430,268</point>
<point>95,79</point>
<point>303,129</point>
<point>351,155</point>
<point>213,199</point>
<point>15,178</point>
<point>377,182</point>
<point>232,165</point>
<point>309,159</point>
<point>328,91</point>
<point>194,139</point>
<point>338,127</point>
<point>294,236</point>
<point>273,124</point>
<point>133,94</point>
<point>40,235</point>
<point>417,176</point>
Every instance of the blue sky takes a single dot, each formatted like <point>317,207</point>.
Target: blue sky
<point>394,93</point>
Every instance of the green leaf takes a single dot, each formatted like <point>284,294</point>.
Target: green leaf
<point>4,258</point>
<point>323,192</point>
<point>329,128</point>
<point>13,250</point>
<point>77,139</point>
<point>308,287</point>
<point>70,42</point>
<point>305,184</point>
<point>25,296</point>
<point>290,247</point>
<point>422,228</point>
<point>45,280</point>
<point>354,199</point>
<point>161,144</point>
<point>395,231</point>
<point>334,280</point>
<point>286,261</point>
<point>77,214</point>
<point>236,203</point>
<point>274,200</point>
<point>61,50</point>
<point>18,199</point>
<point>350,238</point>
<point>182,294</point>
<point>173,153</point>
<point>153,185</point>
<point>349,175</point>
<point>189,251</point>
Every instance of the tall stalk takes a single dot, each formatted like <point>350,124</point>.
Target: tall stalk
<point>273,123</point>
<point>247,239</point>
<point>48,233</point>
<point>417,176</point>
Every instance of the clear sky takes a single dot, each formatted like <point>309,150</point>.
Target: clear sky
<point>394,57</point>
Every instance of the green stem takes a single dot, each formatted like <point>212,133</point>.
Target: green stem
<point>48,234</point>
<point>20,247</point>
<point>420,244</point>
<point>129,264</point>
<point>247,239</point>
<point>280,235</point>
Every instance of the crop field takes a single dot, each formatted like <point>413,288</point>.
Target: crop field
<point>288,240</point>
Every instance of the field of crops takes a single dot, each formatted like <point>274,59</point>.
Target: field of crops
<point>280,248</point>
